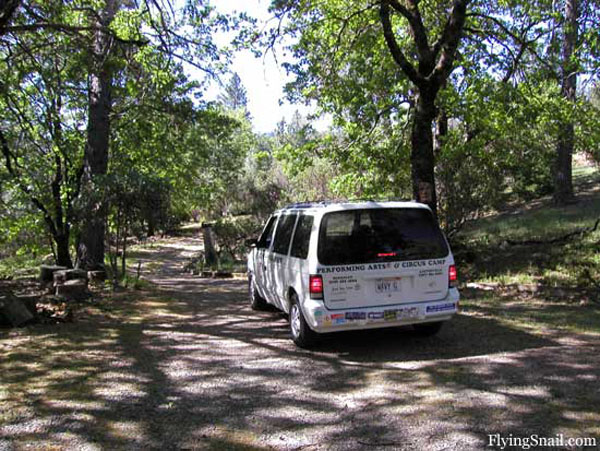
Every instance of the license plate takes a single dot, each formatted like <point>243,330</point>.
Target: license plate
<point>388,285</point>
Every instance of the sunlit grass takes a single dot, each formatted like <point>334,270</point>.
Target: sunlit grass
<point>497,256</point>
<point>19,266</point>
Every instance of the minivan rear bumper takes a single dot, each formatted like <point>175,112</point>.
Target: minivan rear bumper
<point>323,320</point>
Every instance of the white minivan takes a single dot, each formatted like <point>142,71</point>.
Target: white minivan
<point>358,265</point>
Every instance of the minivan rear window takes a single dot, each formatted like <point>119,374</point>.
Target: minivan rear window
<point>377,235</point>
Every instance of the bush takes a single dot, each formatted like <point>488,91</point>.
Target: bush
<point>231,233</point>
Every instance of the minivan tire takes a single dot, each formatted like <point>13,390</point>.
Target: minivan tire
<point>428,329</point>
<point>257,302</point>
<point>302,335</point>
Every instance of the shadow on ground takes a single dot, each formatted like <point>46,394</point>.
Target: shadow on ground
<point>191,366</point>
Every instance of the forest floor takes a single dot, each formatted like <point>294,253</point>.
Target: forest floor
<point>185,363</point>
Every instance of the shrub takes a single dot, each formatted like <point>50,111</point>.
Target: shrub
<point>231,233</point>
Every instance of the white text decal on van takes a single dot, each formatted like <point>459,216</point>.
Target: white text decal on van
<point>377,266</point>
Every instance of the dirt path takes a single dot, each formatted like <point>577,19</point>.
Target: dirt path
<point>189,365</point>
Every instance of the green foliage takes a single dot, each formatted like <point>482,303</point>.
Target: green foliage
<point>503,104</point>
<point>234,98</point>
<point>261,187</point>
<point>158,131</point>
<point>231,232</point>
<point>22,231</point>
<point>500,142</point>
<point>570,262</point>
<point>138,205</point>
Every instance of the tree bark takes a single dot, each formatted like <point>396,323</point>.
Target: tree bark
<point>90,251</point>
<point>563,178</point>
<point>422,158</point>
<point>63,256</point>
<point>441,131</point>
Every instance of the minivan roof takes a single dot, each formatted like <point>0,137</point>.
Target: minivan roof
<point>328,206</point>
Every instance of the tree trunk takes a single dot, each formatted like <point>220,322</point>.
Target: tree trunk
<point>63,256</point>
<point>151,223</point>
<point>124,252</point>
<point>435,64</point>
<point>441,131</point>
<point>563,180</point>
<point>90,251</point>
<point>422,158</point>
<point>210,254</point>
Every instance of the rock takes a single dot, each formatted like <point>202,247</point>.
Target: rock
<point>482,286</point>
<point>47,272</point>
<point>30,303</point>
<point>60,277</point>
<point>73,289</point>
<point>14,310</point>
<point>96,276</point>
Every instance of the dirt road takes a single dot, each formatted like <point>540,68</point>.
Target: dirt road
<point>189,365</point>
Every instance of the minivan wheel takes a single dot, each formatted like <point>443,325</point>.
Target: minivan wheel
<point>428,329</point>
<point>302,335</point>
<point>257,302</point>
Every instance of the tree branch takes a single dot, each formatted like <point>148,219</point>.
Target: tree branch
<point>518,39</point>
<point>418,32</point>
<point>447,45</point>
<point>390,39</point>
<point>75,29</point>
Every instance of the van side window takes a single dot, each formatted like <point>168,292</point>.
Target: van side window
<point>265,238</point>
<point>302,237</point>
<point>283,234</point>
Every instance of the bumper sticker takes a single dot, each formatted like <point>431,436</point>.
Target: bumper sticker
<point>390,315</point>
<point>376,315</point>
<point>441,307</point>
<point>356,316</point>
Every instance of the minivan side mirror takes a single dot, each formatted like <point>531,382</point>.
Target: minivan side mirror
<point>251,242</point>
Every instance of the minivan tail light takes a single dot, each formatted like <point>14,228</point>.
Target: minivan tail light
<point>452,277</point>
<point>315,286</point>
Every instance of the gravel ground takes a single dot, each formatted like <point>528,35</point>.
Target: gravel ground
<point>189,365</point>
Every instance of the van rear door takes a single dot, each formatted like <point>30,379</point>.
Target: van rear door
<point>381,256</point>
